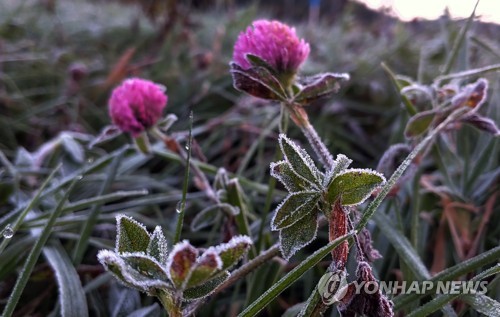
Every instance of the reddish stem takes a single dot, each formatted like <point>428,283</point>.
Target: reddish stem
<point>338,228</point>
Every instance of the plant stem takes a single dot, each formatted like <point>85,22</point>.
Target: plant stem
<point>338,227</point>
<point>299,116</point>
<point>170,305</point>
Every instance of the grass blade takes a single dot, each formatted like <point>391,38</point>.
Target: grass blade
<point>30,263</point>
<point>71,295</point>
<point>29,207</point>
<point>291,277</point>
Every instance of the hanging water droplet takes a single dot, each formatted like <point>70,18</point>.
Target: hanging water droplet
<point>178,207</point>
<point>90,160</point>
<point>8,232</point>
<point>187,147</point>
<point>79,177</point>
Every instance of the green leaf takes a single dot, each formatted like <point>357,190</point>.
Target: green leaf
<point>295,207</point>
<point>145,265</point>
<point>131,235</point>
<point>206,288</point>
<point>258,82</point>
<point>127,275</point>
<point>319,86</point>
<point>71,295</point>
<point>297,236</point>
<point>180,262</point>
<point>291,277</point>
<point>300,161</point>
<point>283,172</point>
<point>73,148</point>
<point>207,265</point>
<point>232,251</point>
<point>354,186</point>
<point>157,247</point>
<point>341,163</point>
<point>420,123</point>
<point>483,304</point>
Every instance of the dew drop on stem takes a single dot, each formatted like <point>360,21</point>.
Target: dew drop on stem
<point>178,207</point>
<point>8,232</point>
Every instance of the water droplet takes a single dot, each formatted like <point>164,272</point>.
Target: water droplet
<point>90,160</point>
<point>187,147</point>
<point>8,232</point>
<point>178,207</point>
<point>79,177</point>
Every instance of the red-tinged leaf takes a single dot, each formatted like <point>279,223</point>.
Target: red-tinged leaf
<point>181,260</point>
<point>258,82</point>
<point>318,86</point>
<point>482,123</point>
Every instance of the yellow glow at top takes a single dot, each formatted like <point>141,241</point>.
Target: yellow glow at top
<point>487,10</point>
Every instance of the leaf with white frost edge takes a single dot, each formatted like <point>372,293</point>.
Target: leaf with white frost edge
<point>297,236</point>
<point>284,173</point>
<point>131,235</point>
<point>300,161</point>
<point>157,247</point>
<point>293,208</point>
<point>180,261</point>
<point>341,163</point>
<point>207,265</point>
<point>113,263</point>
<point>205,289</point>
<point>232,251</point>
<point>354,186</point>
<point>145,265</point>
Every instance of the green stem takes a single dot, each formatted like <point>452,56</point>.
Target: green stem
<point>180,219</point>
<point>170,304</point>
<point>291,277</point>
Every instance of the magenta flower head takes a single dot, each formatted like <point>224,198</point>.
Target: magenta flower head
<point>136,105</point>
<point>275,43</point>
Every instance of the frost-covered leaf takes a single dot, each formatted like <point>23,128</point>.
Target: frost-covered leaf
<point>232,251</point>
<point>157,247</point>
<point>180,261</point>
<point>206,266</point>
<point>71,295</point>
<point>472,96</point>
<point>318,86</point>
<point>221,179</point>
<point>24,158</point>
<point>295,207</point>
<point>145,265</point>
<point>341,163</point>
<point>483,304</point>
<point>283,172</point>
<point>482,123</point>
<point>206,288</point>
<point>258,82</point>
<point>73,148</point>
<point>299,160</point>
<point>127,275</point>
<point>165,123</point>
<point>354,186</point>
<point>420,123</point>
<point>108,133</point>
<point>207,216</point>
<point>131,235</point>
<point>297,236</point>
